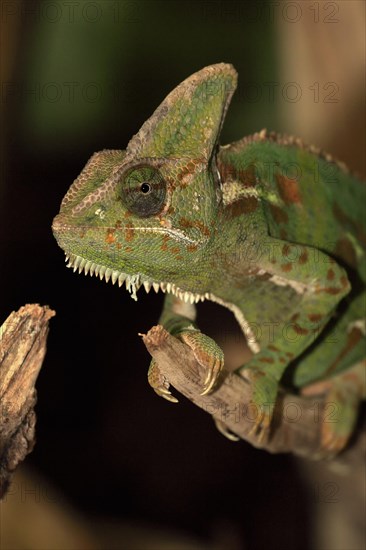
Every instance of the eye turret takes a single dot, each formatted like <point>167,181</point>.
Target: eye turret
<point>143,191</point>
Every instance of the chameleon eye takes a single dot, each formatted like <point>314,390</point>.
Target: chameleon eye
<point>143,191</point>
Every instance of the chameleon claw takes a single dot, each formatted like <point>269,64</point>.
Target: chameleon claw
<point>211,378</point>
<point>162,392</point>
<point>224,430</point>
<point>209,382</point>
<point>208,355</point>
<point>159,383</point>
<point>261,426</point>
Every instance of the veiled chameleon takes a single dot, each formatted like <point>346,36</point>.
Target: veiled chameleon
<point>268,227</point>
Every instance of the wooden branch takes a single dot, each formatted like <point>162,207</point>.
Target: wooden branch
<point>22,349</point>
<point>297,422</point>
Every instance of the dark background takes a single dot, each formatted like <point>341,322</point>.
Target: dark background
<point>81,79</point>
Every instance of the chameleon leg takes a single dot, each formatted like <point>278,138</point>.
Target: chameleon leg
<point>317,289</point>
<point>344,374</point>
<point>342,346</point>
<point>343,394</point>
<point>178,318</point>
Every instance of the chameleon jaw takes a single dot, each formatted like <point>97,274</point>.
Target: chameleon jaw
<point>132,282</point>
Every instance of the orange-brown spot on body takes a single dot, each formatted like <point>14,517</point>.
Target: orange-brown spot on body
<point>110,237</point>
<point>130,232</point>
<point>288,189</point>
<point>286,249</point>
<point>283,361</point>
<point>315,317</point>
<point>345,250</point>
<point>227,171</point>
<point>354,336</point>
<point>300,330</point>
<point>243,206</point>
<point>295,317</point>
<point>118,224</point>
<point>250,204</point>
<point>128,249</point>
<point>185,172</point>
<point>248,176</point>
<point>184,222</point>
<point>286,267</point>
<point>192,247</point>
<point>119,246</point>
<point>283,234</point>
<point>304,257</point>
<point>272,347</point>
<point>268,360</point>
<point>289,354</point>
<point>332,290</point>
<point>164,245</point>
<point>279,215</point>
<point>330,274</point>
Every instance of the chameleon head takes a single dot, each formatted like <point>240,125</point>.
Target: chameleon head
<point>147,215</point>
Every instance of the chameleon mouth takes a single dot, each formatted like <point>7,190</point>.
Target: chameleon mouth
<point>132,282</point>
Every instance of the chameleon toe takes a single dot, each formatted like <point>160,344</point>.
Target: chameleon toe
<point>159,382</point>
<point>207,353</point>
<point>162,392</point>
<point>224,430</point>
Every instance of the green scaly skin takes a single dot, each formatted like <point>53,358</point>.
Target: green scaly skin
<point>266,226</point>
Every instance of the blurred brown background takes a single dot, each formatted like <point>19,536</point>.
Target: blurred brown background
<point>124,467</point>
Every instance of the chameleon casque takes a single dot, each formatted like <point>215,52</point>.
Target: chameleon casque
<point>270,228</point>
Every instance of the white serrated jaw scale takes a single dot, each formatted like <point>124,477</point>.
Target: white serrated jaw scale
<point>132,282</point>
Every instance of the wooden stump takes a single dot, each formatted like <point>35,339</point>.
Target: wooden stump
<point>22,349</point>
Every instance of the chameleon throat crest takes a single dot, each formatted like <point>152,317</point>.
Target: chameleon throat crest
<point>132,282</point>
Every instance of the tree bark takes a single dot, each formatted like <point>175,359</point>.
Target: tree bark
<point>22,349</point>
<point>296,426</point>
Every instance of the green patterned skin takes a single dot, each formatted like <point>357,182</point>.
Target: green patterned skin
<point>267,227</point>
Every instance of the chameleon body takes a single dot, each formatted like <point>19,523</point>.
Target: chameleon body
<point>268,227</point>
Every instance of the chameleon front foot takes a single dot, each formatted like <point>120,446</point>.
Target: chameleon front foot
<point>159,382</point>
<point>207,353</point>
